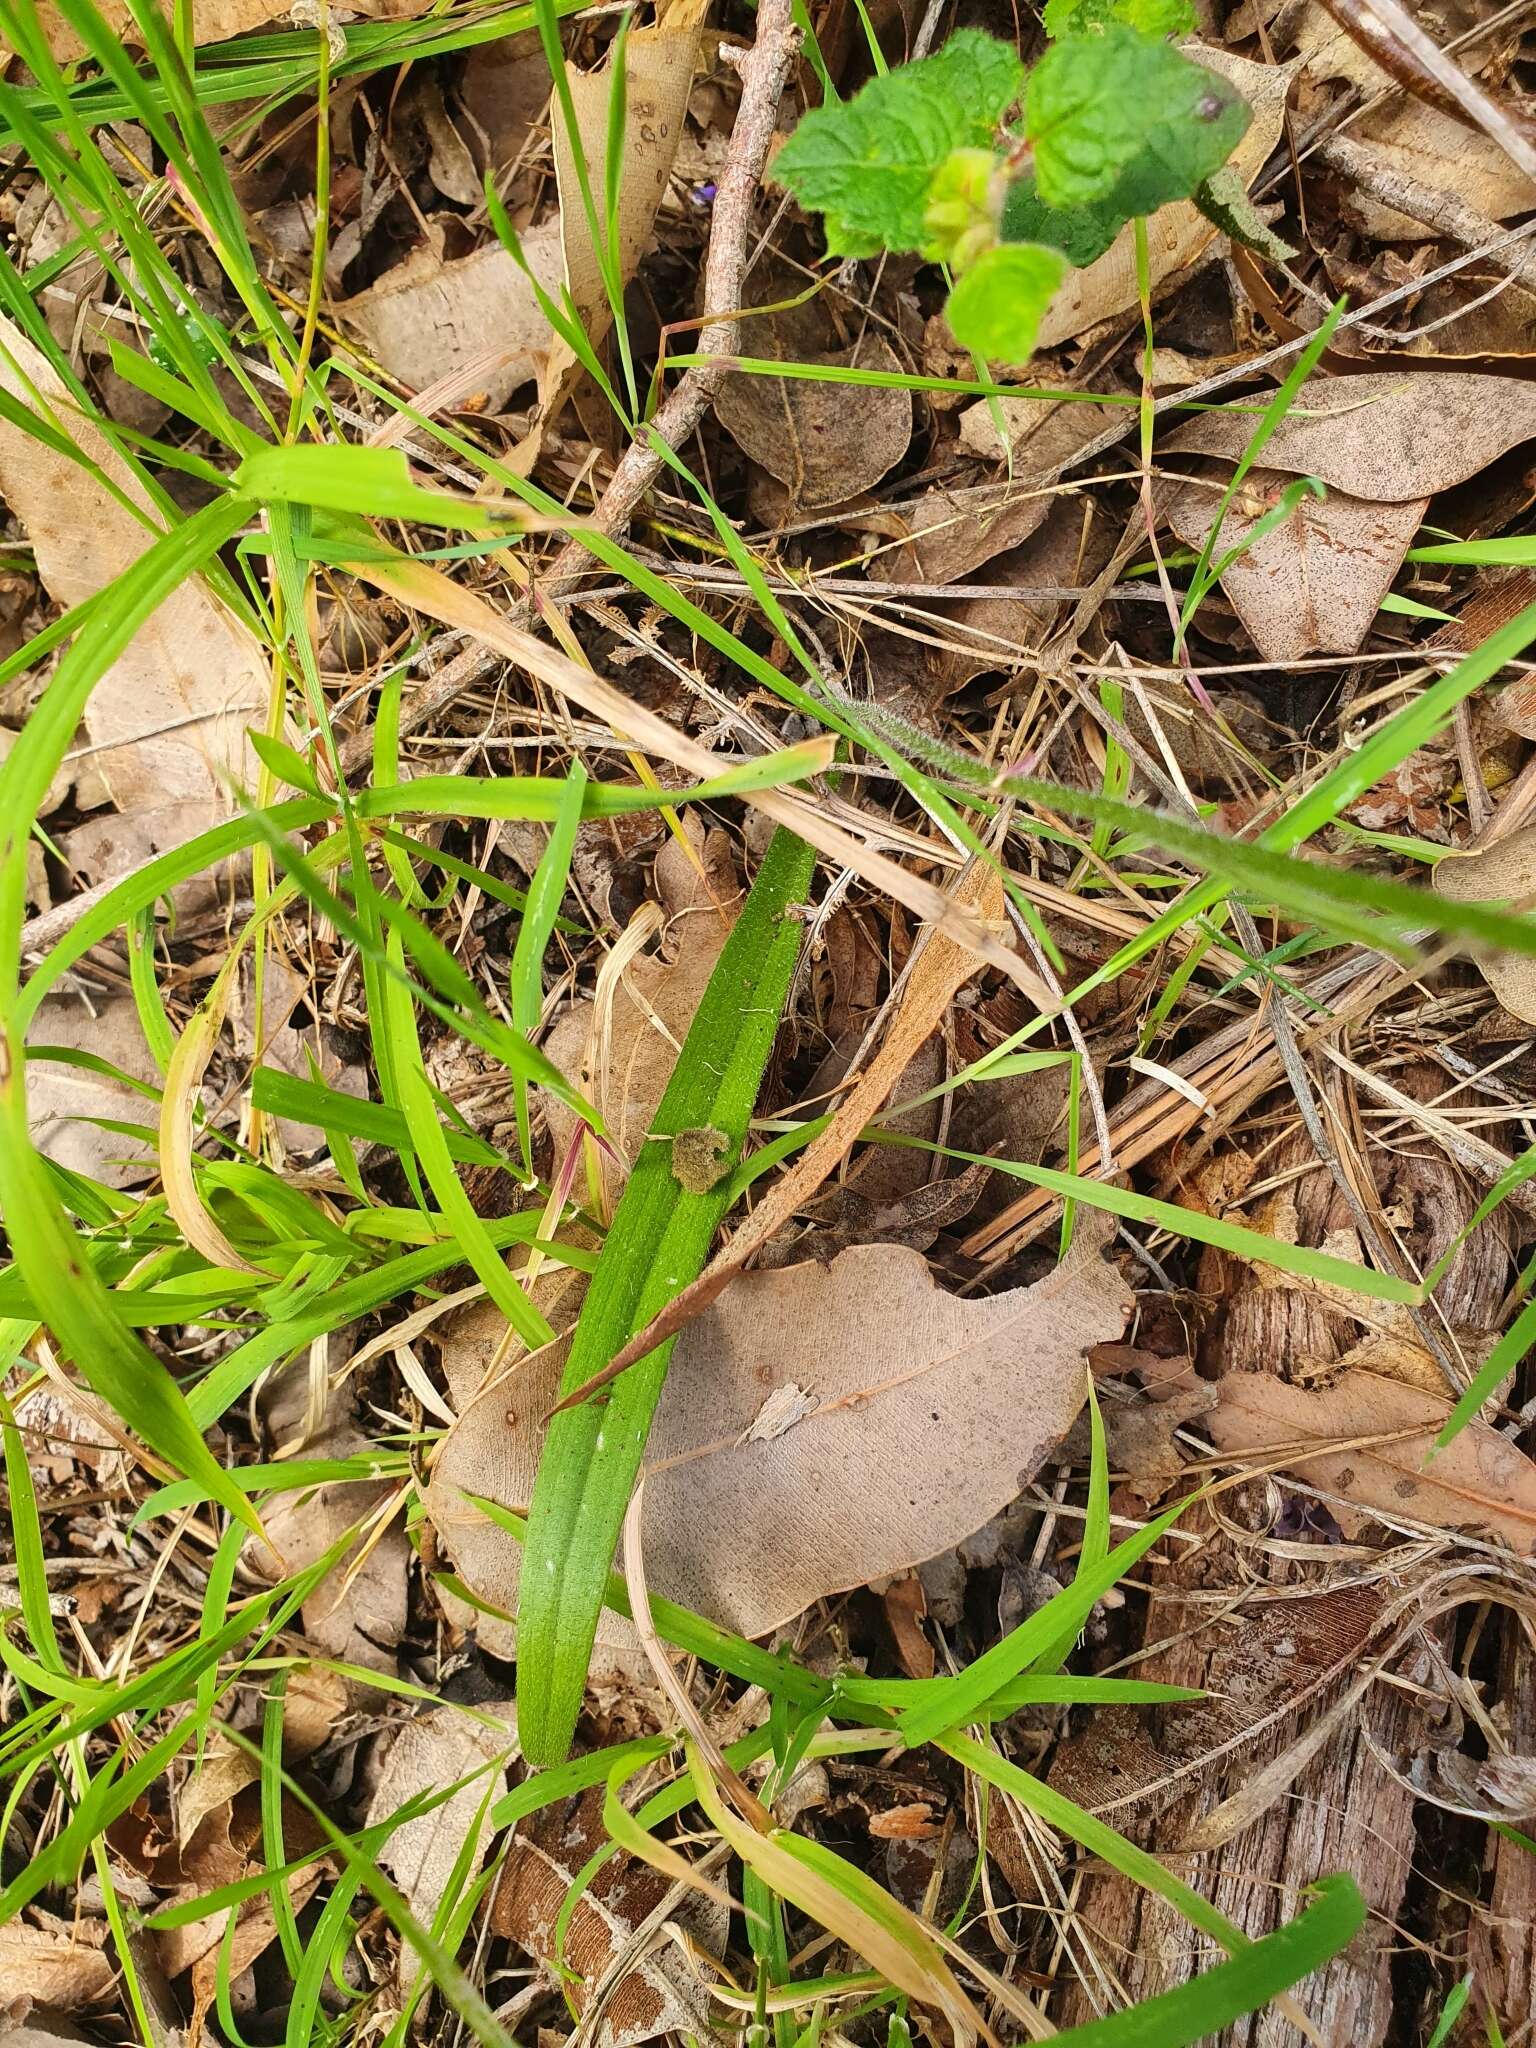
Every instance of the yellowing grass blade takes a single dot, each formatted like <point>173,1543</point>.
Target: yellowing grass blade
<point>850,1905</point>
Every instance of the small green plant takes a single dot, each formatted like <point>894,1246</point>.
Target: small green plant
<point>1111,123</point>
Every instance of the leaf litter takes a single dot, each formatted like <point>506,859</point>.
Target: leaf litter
<point>781,1473</point>
<point>872,1446</point>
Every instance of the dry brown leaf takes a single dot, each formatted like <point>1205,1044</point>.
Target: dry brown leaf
<point>1041,432</point>
<point>169,716</point>
<point>1394,435</point>
<point>658,72</point>
<point>66,1972</point>
<point>1479,1482</point>
<point>1314,584</point>
<point>1433,149</point>
<point>624,1067</point>
<point>478,318</point>
<point>1177,234</point>
<point>424,1755</point>
<point>426,320</point>
<point>358,1613</point>
<point>648,1995</point>
<point>955,531</point>
<point>62,1099</point>
<point>504,89</point>
<point>918,1416</point>
<point>1502,873</point>
<point>826,442</point>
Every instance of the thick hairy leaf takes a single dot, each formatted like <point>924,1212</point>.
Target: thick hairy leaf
<point>1177,234</point>
<point>866,164</point>
<point>1116,115</point>
<point>996,308</point>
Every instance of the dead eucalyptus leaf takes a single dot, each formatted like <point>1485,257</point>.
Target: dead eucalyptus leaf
<point>1314,584</point>
<point>1041,432</point>
<point>66,1972</point>
<point>479,318</point>
<point>1394,435</point>
<point>64,1103</point>
<point>825,442</point>
<point>358,1613</point>
<point>1176,234</point>
<point>926,1414</point>
<point>955,531</point>
<point>168,718</point>
<point>650,1991</point>
<point>425,1754</point>
<point>1502,873</point>
<point>1480,1481</point>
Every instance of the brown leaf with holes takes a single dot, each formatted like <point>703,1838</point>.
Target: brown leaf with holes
<point>917,1415</point>
<point>1313,584</point>
<point>1480,1482</point>
<point>1504,873</point>
<point>646,1991</point>
<point>825,442</point>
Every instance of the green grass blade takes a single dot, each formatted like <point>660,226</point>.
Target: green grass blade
<point>1211,2001</point>
<point>963,1697</point>
<point>657,1243</point>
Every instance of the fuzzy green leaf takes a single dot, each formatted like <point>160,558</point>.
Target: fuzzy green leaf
<point>1224,201</point>
<point>1147,17</point>
<point>996,308</point>
<point>867,163</point>
<point>1081,233</point>
<point>1114,115</point>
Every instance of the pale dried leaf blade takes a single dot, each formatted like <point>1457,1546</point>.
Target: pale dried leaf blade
<point>1315,582</point>
<point>1480,1482</point>
<point>930,1414</point>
